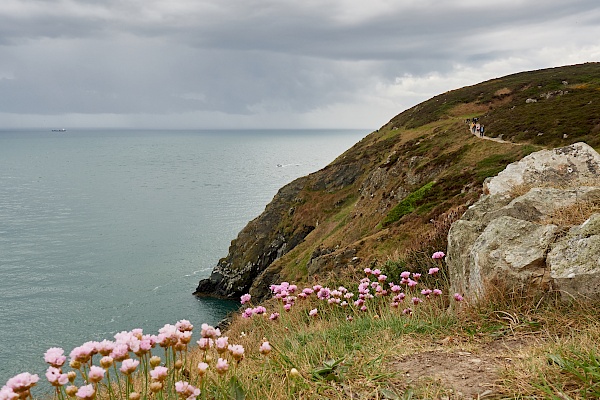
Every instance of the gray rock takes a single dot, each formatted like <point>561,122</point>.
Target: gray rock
<point>569,166</point>
<point>574,261</point>
<point>508,251</point>
<point>512,242</point>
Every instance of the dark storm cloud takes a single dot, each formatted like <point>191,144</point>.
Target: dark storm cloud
<point>256,57</point>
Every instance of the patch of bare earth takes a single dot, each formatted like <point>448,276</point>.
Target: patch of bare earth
<point>461,374</point>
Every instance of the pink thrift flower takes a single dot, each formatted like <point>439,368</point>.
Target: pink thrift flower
<point>416,276</point>
<point>209,331</point>
<point>395,304</point>
<point>292,288</point>
<point>287,307</point>
<point>120,352</point>
<point>368,271</point>
<point>416,300</point>
<point>86,392</point>
<point>407,311</point>
<point>405,275</point>
<point>396,288</point>
<point>83,353</point>
<point>426,292</point>
<point>184,326</point>
<point>55,357</point>
<point>237,351</point>
<point>313,312</point>
<point>56,377</point>
<point>323,293</point>
<point>146,343</point>
<point>139,332</point>
<point>437,292</point>
<point>376,272</point>
<point>257,310</point>
<point>128,366</point>
<point>96,374</point>
<point>433,271</point>
<point>221,344</point>
<point>274,316</point>
<point>22,382</point>
<point>349,295</point>
<point>265,348</point>
<point>363,308</point>
<point>105,347</point>
<point>245,298</point>
<point>159,373</point>
<point>205,343</point>
<point>308,291</point>
<point>458,297</point>
<point>7,393</point>
<point>438,254</point>
<point>316,288</point>
<point>382,278</point>
<point>202,368</point>
<point>186,390</point>
<point>222,366</point>
<point>106,362</point>
<point>248,313</point>
<point>412,283</point>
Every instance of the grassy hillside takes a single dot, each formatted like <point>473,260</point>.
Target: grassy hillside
<point>420,170</point>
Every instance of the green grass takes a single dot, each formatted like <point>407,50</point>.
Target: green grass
<point>407,205</point>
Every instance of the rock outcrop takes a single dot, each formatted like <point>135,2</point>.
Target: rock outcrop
<point>256,247</point>
<point>523,241</point>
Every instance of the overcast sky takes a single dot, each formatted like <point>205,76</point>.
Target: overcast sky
<point>268,63</point>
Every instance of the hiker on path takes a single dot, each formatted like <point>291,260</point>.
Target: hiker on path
<point>481,130</point>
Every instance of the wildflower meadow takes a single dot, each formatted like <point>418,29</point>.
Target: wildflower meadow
<point>305,342</point>
<point>136,365</point>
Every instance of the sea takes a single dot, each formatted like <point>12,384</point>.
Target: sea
<point>108,230</point>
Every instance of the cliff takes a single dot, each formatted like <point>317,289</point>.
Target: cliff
<point>396,192</point>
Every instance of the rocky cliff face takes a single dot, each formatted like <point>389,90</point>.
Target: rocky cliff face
<point>273,234</point>
<point>534,240</point>
<point>395,193</point>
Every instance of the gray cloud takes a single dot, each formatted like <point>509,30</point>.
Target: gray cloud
<point>258,59</point>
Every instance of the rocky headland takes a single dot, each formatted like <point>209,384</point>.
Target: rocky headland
<point>396,193</point>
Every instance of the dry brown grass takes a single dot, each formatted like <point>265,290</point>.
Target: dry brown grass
<point>575,214</point>
<point>502,92</point>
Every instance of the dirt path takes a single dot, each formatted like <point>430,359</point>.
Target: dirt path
<point>472,374</point>
<point>476,134</point>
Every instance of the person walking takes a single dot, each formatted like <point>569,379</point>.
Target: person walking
<point>481,130</point>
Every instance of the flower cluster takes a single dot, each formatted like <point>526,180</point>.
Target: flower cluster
<point>374,285</point>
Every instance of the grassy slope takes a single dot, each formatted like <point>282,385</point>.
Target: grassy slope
<point>429,145</point>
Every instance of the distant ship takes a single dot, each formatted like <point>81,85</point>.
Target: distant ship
<point>59,130</point>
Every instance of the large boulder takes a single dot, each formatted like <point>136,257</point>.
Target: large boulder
<point>512,238</point>
<point>574,261</point>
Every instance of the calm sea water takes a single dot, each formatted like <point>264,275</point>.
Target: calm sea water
<point>107,230</point>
